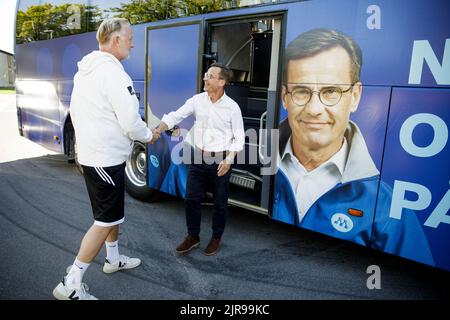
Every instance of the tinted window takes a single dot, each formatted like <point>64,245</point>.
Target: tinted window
<point>105,10</point>
<point>141,11</point>
<point>43,20</point>
<point>49,19</point>
<point>138,11</point>
<point>26,28</point>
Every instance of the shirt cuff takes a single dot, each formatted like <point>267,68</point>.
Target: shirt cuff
<point>166,119</point>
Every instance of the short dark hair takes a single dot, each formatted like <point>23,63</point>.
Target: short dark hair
<point>315,41</point>
<point>225,72</point>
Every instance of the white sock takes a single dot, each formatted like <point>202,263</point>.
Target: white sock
<point>75,275</point>
<point>112,251</point>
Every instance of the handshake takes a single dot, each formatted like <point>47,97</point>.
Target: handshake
<point>156,134</point>
<point>159,129</point>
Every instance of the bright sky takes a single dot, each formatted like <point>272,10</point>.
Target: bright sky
<point>7,24</point>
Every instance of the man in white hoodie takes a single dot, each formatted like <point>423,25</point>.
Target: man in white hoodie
<point>105,114</point>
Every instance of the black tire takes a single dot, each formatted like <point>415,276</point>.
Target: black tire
<point>79,167</point>
<point>136,175</point>
<point>70,145</point>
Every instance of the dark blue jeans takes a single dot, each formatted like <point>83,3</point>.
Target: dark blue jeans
<point>200,175</point>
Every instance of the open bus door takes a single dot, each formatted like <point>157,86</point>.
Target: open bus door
<point>250,46</point>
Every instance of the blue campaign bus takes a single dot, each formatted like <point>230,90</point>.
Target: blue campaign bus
<point>393,194</point>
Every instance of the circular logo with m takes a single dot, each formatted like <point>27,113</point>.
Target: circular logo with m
<point>154,160</point>
<point>341,222</point>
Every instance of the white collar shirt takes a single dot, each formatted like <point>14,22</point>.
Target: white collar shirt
<point>310,186</point>
<point>218,126</point>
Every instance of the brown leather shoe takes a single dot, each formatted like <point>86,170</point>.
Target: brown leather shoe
<point>213,247</point>
<point>189,243</point>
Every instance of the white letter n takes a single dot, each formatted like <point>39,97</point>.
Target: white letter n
<point>423,51</point>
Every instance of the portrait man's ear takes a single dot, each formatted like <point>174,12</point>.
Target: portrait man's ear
<point>283,95</point>
<point>356,96</point>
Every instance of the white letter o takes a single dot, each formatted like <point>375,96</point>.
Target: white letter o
<point>439,140</point>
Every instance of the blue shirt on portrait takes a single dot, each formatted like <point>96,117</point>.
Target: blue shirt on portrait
<point>347,211</point>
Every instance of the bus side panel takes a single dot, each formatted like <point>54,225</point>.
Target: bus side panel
<point>346,211</point>
<point>135,65</point>
<point>139,88</point>
<point>39,111</point>
<point>389,33</point>
<point>416,165</point>
<point>37,95</point>
<point>414,53</point>
<point>173,55</point>
<point>45,71</point>
<point>339,204</point>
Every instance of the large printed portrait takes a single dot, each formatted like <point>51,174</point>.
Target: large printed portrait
<point>332,134</point>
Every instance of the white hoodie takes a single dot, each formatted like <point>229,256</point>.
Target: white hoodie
<point>105,111</point>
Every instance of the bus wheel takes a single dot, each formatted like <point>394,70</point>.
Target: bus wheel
<point>71,146</point>
<point>79,167</point>
<point>135,175</point>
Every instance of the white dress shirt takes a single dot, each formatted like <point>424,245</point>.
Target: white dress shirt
<point>218,126</point>
<point>310,186</point>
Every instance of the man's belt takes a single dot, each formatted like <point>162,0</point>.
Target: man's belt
<point>212,154</point>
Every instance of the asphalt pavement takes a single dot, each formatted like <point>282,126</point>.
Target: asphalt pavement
<point>45,211</point>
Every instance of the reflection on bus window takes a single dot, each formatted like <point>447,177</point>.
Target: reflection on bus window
<point>45,20</point>
<point>137,11</point>
<point>106,10</point>
<point>49,19</point>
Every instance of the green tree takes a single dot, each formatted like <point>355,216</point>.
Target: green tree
<point>140,11</point>
<point>46,21</point>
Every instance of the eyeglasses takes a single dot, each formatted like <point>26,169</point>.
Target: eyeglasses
<point>209,76</point>
<point>329,96</point>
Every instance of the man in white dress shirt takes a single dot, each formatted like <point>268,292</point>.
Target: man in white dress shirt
<point>218,134</point>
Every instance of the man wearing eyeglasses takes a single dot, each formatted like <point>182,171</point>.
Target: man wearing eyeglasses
<point>218,135</point>
<point>327,180</point>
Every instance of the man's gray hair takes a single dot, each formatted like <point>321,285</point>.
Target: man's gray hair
<point>108,27</point>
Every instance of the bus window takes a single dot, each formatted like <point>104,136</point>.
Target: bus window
<point>106,9</point>
<point>27,26</point>
<point>138,12</point>
<point>46,20</point>
<point>65,18</point>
